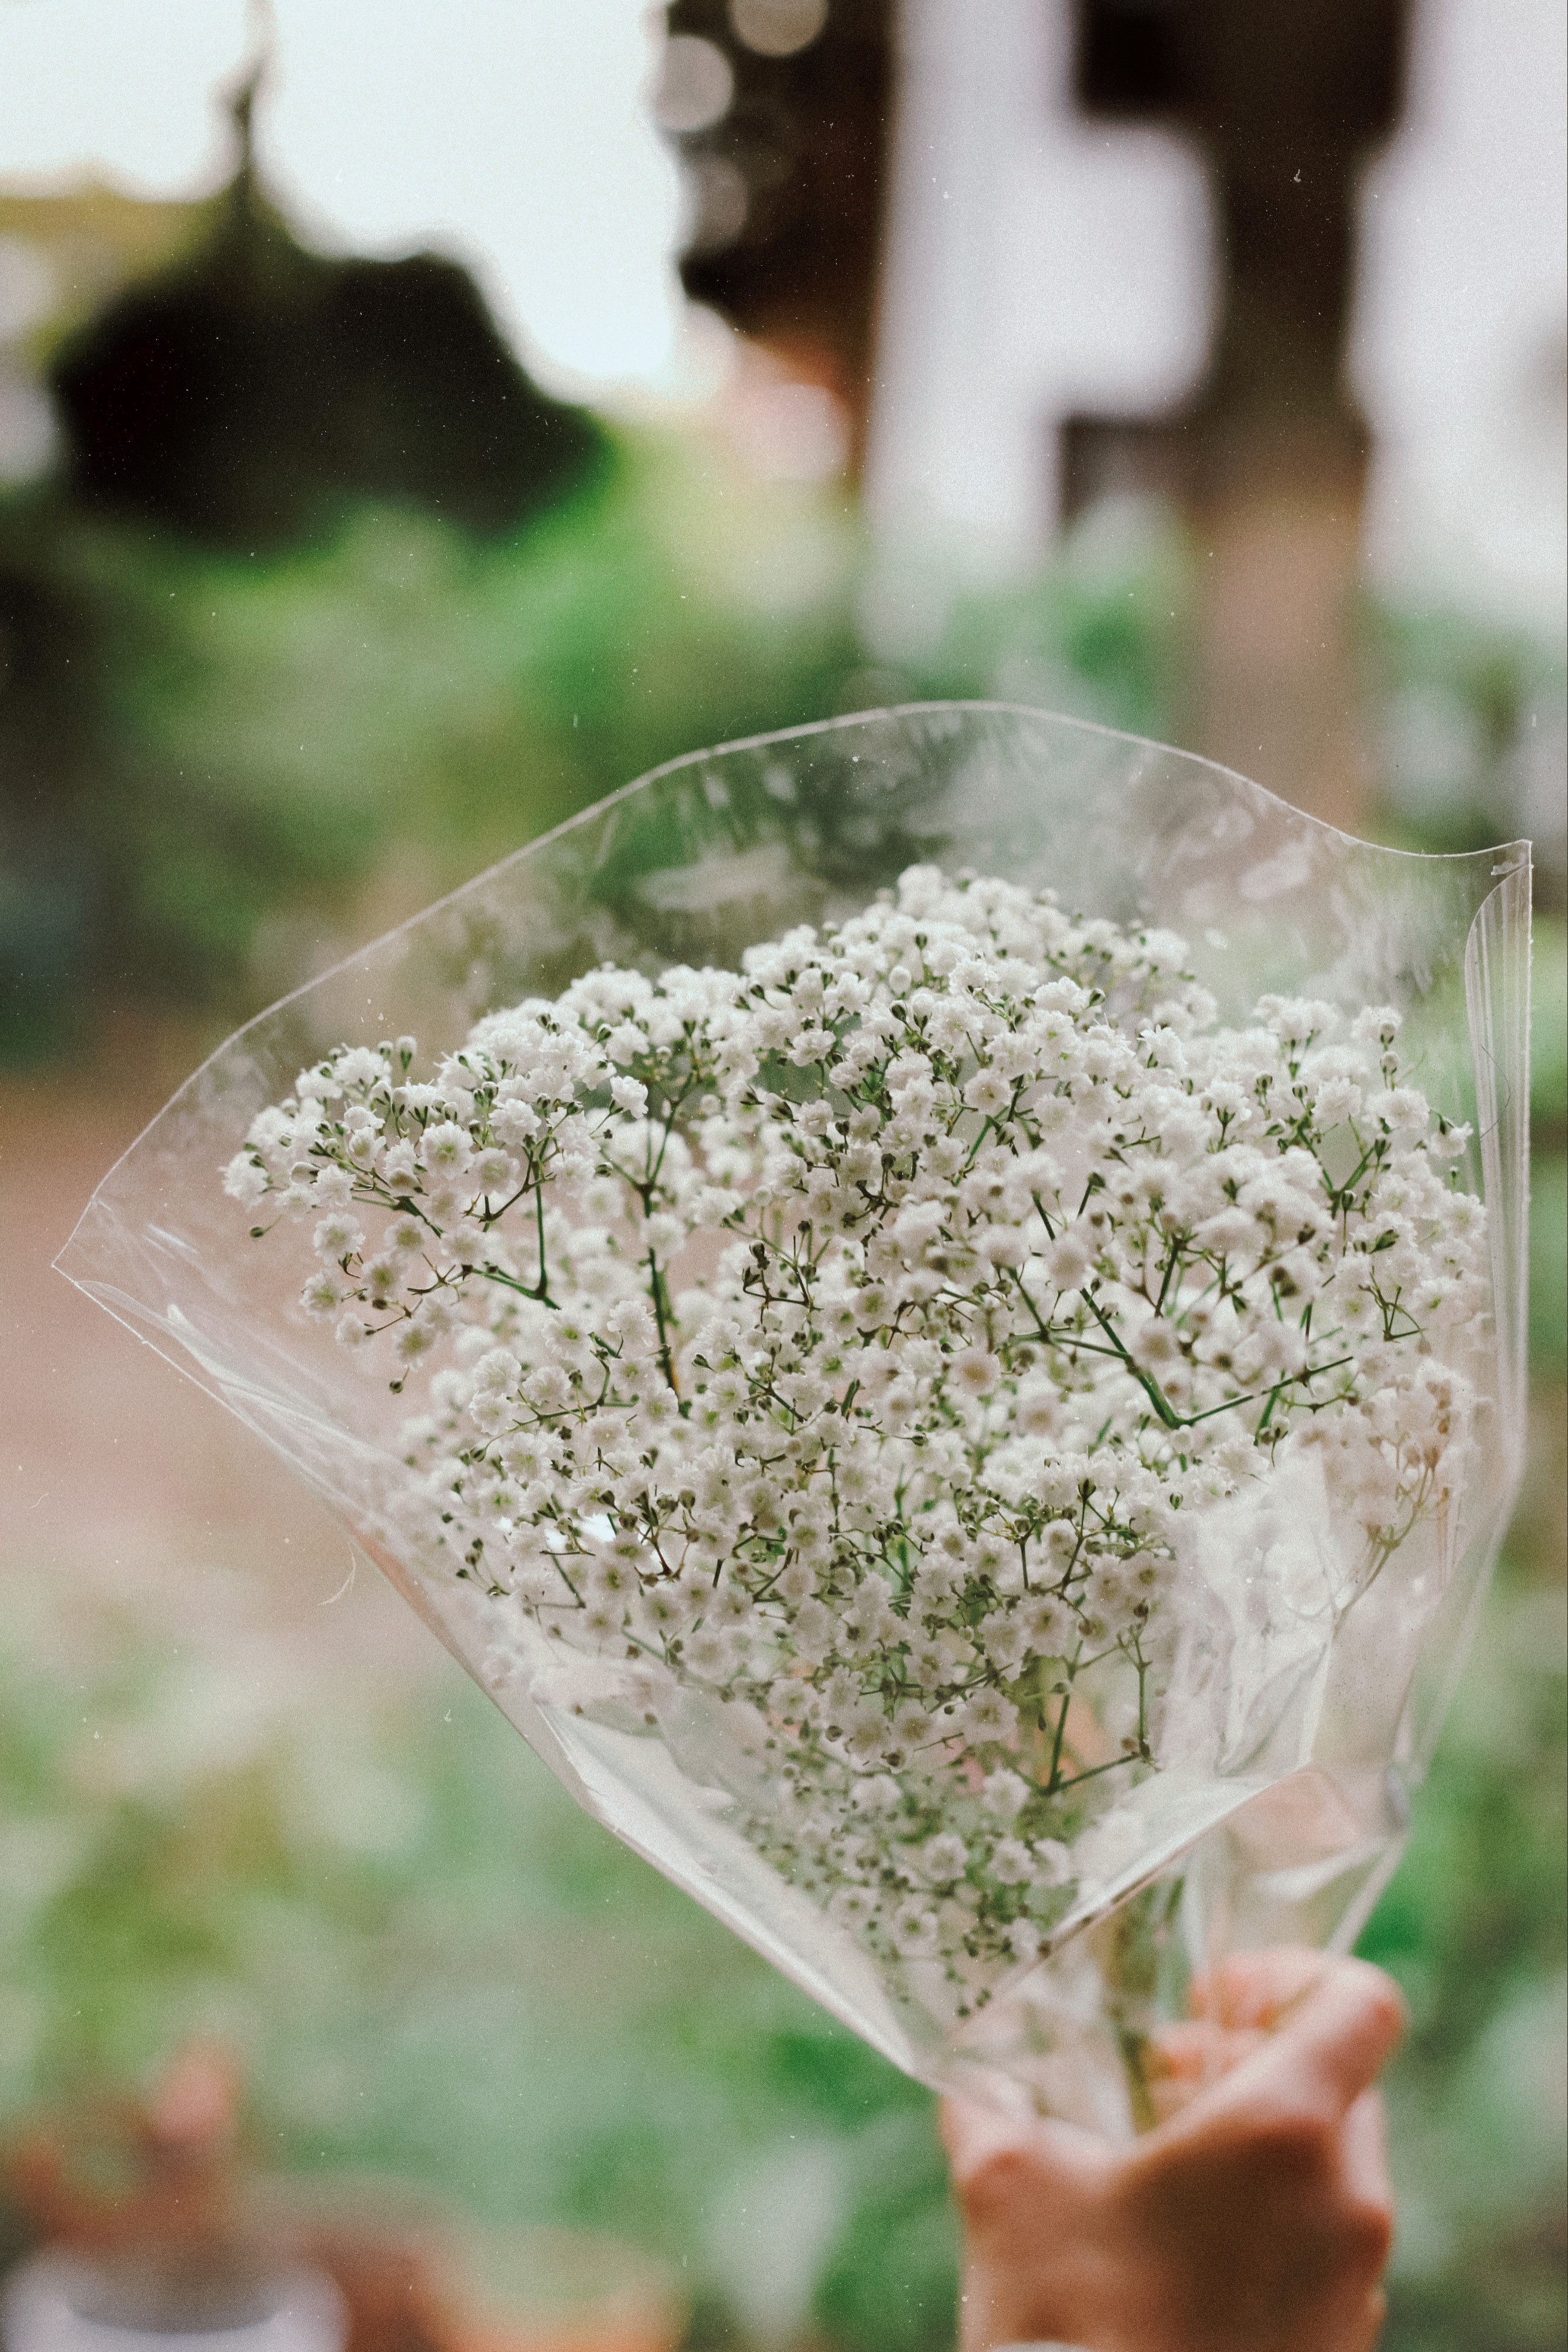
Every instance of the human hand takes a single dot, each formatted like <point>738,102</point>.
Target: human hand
<point>1256,2218</point>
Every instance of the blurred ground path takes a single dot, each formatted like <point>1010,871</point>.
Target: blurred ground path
<point>120,1483</point>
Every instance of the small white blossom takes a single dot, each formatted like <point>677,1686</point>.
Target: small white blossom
<point>245,1179</point>
<point>942,1858</point>
<point>1005,1793</point>
<point>323,1294</point>
<point>1053,1862</point>
<point>339,1236</point>
<point>915,1931</point>
<point>1011,1862</point>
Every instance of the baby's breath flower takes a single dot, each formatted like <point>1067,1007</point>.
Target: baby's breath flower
<point>245,1179</point>
<point>1011,1862</point>
<point>864,1337</point>
<point>339,1236</point>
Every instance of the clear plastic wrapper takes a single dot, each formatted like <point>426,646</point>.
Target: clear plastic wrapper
<point>1081,1603</point>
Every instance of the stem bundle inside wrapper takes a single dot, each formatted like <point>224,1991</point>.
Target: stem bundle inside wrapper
<point>881,1341</point>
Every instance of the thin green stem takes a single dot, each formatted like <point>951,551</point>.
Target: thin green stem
<point>1151,1387</point>
<point>656,1288</point>
<point>1060,1788</point>
<point>542,1291</point>
<point>1053,1781</point>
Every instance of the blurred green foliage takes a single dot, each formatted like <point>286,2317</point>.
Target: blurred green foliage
<point>437,1965</point>
<point>439,1968</point>
<point>1473,1927</point>
<point>1549,1175</point>
<point>215,768</point>
<point>1467,733</point>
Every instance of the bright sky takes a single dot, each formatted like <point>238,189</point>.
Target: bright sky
<point>515,136</point>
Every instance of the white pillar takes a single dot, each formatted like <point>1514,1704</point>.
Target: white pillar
<point>1457,345</point>
<point>1035,265</point>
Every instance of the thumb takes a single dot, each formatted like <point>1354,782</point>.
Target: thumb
<point>1328,2047</point>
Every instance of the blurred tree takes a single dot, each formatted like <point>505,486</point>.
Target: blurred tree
<point>783,126</point>
<point>56,743</point>
<point>249,393</point>
<point>243,396</point>
<point>1270,460</point>
<point>1284,105</point>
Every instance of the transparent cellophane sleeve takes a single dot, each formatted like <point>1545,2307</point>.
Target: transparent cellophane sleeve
<point>1295,1727</point>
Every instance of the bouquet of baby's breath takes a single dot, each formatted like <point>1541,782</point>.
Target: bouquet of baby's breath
<point>860,1336</point>
<point>922,1422</point>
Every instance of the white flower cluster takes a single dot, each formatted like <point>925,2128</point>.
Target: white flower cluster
<point>855,1335</point>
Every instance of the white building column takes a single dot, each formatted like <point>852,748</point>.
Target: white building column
<point>1037,266</point>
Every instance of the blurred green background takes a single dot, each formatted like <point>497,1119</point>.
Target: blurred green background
<point>245,727</point>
